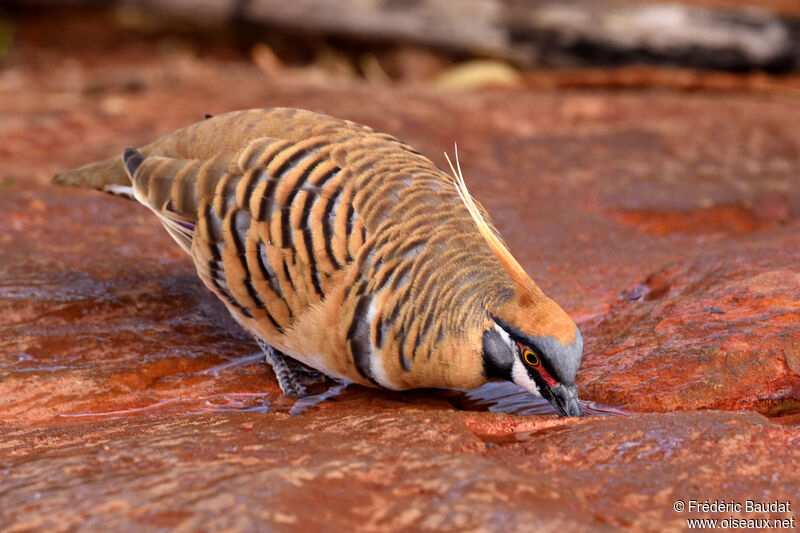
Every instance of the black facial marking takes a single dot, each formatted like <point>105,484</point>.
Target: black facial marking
<point>498,358</point>
<point>560,361</point>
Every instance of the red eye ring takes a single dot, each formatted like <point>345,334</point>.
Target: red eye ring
<point>530,357</point>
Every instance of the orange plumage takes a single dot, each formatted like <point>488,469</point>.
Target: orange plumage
<point>347,250</point>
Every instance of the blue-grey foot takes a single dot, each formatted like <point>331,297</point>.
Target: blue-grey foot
<point>293,377</point>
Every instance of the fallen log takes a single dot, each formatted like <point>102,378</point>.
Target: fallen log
<point>528,32</point>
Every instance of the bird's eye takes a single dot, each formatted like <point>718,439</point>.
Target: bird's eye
<point>530,357</point>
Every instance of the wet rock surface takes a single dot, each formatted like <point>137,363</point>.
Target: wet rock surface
<point>720,331</point>
<point>392,469</point>
<point>666,223</point>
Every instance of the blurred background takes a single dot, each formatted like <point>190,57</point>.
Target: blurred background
<point>442,43</point>
<point>128,58</point>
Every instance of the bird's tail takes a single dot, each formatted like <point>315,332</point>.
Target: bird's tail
<point>103,175</point>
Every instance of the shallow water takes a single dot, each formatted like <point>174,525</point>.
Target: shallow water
<point>497,397</point>
<point>506,397</point>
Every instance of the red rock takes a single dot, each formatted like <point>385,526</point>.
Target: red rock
<point>717,332</point>
<point>392,470</point>
<point>724,219</point>
<point>666,223</point>
<point>772,207</point>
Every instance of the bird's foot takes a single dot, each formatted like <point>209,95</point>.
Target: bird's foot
<point>305,374</point>
<point>294,377</point>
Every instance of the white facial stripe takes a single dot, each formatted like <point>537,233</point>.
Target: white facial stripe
<point>506,338</point>
<point>520,376</point>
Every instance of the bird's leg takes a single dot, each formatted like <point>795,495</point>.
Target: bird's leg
<point>287,379</point>
<point>305,374</point>
<point>293,376</point>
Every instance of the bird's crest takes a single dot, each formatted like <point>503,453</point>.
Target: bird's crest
<point>510,264</point>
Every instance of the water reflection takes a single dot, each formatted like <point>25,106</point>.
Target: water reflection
<point>200,397</point>
<point>506,397</point>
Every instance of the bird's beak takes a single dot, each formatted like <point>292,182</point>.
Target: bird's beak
<point>565,400</point>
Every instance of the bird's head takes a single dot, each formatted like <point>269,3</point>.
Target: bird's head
<point>530,340</point>
<point>536,345</point>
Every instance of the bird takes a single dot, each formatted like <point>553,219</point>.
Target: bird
<point>348,255</point>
